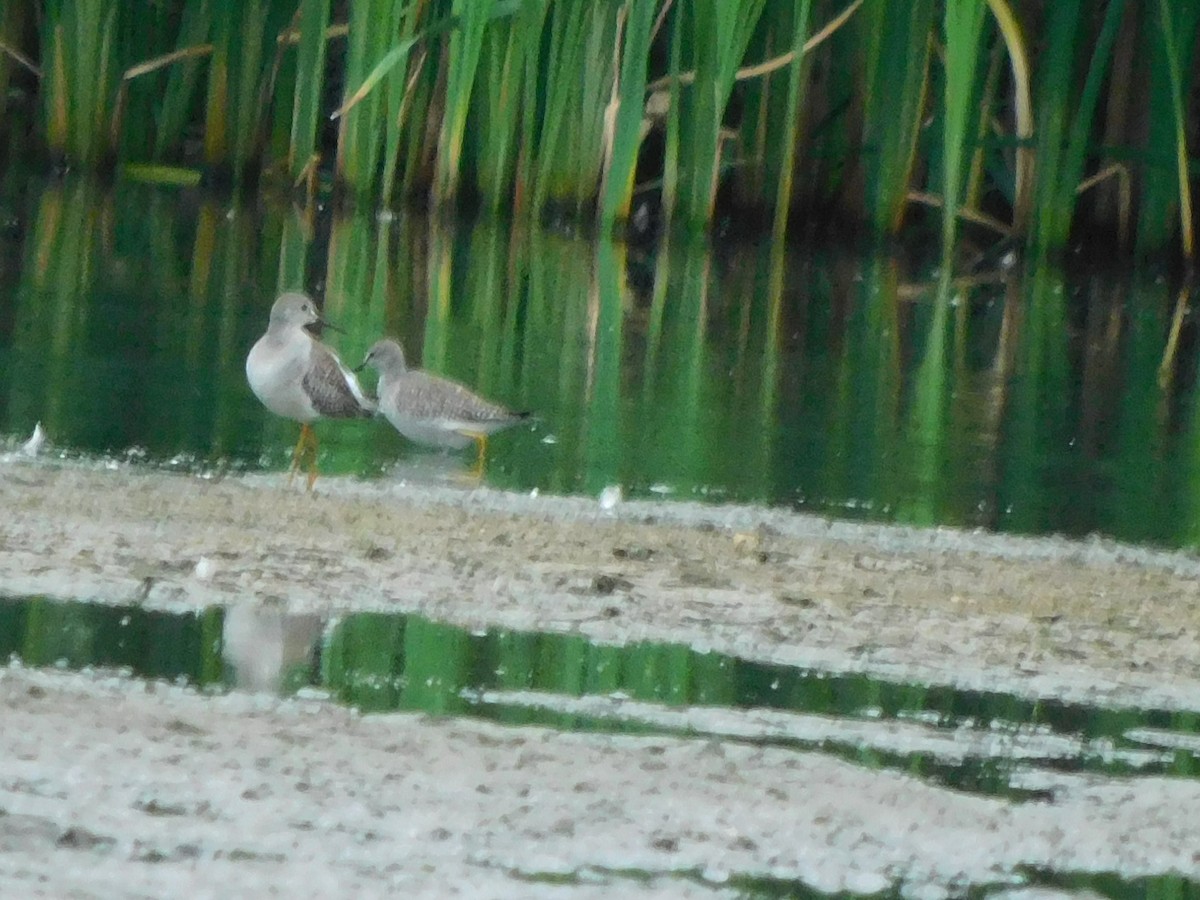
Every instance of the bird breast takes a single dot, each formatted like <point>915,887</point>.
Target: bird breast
<point>275,370</point>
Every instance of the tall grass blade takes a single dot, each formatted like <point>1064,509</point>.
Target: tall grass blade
<point>627,122</point>
<point>1176,25</point>
<point>1065,23</point>
<point>374,25</point>
<point>1065,165</point>
<point>720,33</point>
<point>391,59</point>
<point>674,126</point>
<point>1019,63</point>
<point>403,100</point>
<point>962,24</point>
<point>790,136</point>
<point>312,20</point>
<point>79,83</point>
<point>896,49</point>
<point>507,107</point>
<point>580,67</point>
<point>1080,144</point>
<point>232,114</point>
<point>532,24</point>
<point>466,44</point>
<point>387,64</point>
<point>498,110</point>
<point>403,96</point>
<point>179,93</point>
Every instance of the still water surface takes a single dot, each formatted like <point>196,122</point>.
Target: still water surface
<point>828,381</point>
<point>986,742</point>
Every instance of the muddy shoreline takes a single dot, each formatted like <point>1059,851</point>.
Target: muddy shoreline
<point>1092,621</point>
<point>112,787</point>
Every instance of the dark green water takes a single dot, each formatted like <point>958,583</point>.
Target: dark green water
<point>382,662</point>
<point>826,381</point>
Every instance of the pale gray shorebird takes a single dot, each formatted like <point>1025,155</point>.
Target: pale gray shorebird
<point>432,410</point>
<point>298,377</point>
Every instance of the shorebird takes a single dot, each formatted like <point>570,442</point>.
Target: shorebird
<point>432,410</point>
<point>298,377</point>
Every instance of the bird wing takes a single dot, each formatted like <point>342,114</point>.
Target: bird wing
<point>332,388</point>
<point>431,395</point>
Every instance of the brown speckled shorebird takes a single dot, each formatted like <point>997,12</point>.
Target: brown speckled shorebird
<point>298,377</point>
<point>432,410</point>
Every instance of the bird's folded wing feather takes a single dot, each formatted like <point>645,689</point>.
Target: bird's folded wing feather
<point>423,394</point>
<point>332,388</point>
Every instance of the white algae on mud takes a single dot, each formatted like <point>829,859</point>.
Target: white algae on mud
<point>103,776</point>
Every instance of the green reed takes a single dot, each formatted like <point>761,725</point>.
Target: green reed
<point>79,78</point>
<point>178,91</point>
<point>962,25</point>
<point>785,146</point>
<point>1166,194</point>
<point>1031,118</point>
<point>311,22</point>
<point>625,128</point>
<point>462,62</point>
<point>1058,189</point>
<point>372,31</point>
<point>895,48</point>
<point>235,71</point>
<point>714,41</point>
<point>570,142</point>
<point>1053,103</point>
<point>498,106</point>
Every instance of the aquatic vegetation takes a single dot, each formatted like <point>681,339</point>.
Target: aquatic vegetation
<point>1009,119</point>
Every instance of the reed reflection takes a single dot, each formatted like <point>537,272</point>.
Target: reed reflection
<point>849,384</point>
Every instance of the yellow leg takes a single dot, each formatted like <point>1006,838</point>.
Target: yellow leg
<point>475,473</point>
<point>298,452</point>
<point>480,454</point>
<point>312,459</point>
<point>305,446</point>
<point>312,463</point>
